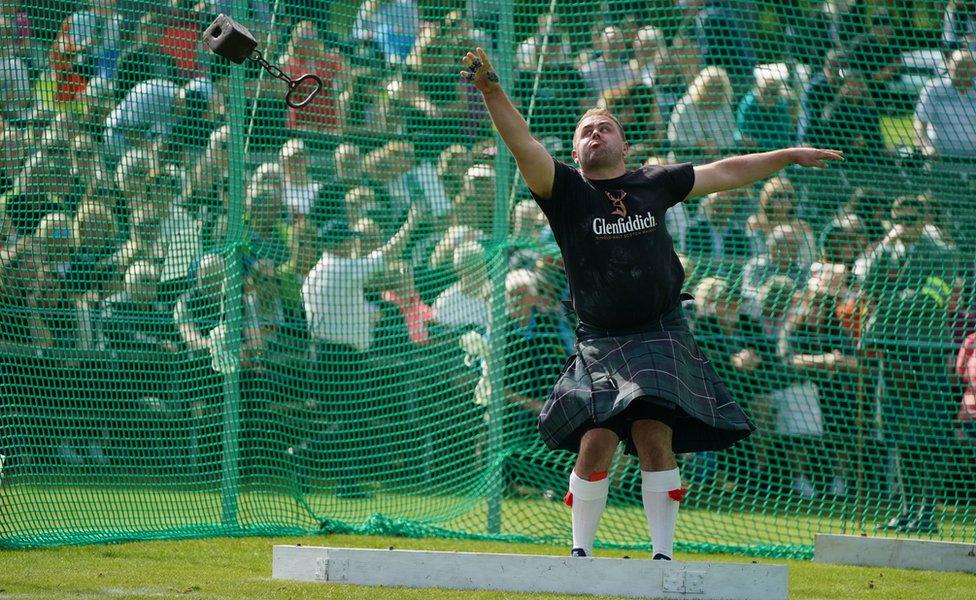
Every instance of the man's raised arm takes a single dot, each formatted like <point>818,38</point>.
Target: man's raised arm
<point>534,162</point>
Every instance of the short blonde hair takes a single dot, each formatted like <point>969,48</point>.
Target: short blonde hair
<point>705,78</point>
<point>601,112</point>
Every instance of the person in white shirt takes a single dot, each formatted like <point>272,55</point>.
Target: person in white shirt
<point>465,304</point>
<point>702,123</point>
<point>300,189</point>
<point>340,326</point>
<point>945,118</point>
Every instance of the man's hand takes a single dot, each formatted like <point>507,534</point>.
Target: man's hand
<point>480,72</point>
<point>815,157</point>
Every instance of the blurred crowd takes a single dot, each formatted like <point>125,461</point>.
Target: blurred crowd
<point>362,231</point>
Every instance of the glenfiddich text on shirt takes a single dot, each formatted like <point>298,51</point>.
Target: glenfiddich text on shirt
<point>633,225</point>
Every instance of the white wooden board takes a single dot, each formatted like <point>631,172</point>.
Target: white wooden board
<point>530,573</point>
<point>898,553</point>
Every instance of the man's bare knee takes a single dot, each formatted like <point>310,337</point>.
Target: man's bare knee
<point>596,452</point>
<point>653,442</point>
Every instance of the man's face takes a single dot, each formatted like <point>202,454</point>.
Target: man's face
<point>599,143</point>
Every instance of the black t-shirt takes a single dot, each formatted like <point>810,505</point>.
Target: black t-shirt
<point>620,261</point>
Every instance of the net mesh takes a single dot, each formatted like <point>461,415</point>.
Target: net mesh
<point>223,316</point>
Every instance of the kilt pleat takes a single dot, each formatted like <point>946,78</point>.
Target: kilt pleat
<point>663,365</point>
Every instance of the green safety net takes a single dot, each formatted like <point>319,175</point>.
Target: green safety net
<point>223,316</point>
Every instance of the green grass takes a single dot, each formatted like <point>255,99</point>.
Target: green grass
<point>713,520</point>
<point>241,568</point>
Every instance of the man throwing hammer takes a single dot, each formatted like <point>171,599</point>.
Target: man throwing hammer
<point>638,376</point>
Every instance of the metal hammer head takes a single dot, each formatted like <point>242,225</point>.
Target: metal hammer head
<point>230,39</point>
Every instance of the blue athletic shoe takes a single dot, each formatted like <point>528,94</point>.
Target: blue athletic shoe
<point>578,552</point>
<point>660,556</point>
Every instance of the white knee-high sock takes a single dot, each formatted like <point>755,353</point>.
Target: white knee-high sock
<point>588,500</point>
<point>661,507</point>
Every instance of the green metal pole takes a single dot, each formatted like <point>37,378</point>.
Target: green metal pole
<point>233,299</point>
<point>503,61</point>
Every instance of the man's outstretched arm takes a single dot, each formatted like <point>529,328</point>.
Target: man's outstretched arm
<point>534,162</point>
<point>737,171</point>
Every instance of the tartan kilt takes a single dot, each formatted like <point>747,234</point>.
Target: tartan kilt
<point>661,364</point>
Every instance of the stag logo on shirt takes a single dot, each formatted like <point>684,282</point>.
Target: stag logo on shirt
<point>616,199</point>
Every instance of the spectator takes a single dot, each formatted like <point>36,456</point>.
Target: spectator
<point>723,32</point>
<point>877,56</point>
<point>300,190</point>
<point>702,124</point>
<point>360,202</point>
<point>635,106</point>
<point>16,31</point>
<point>945,119</point>
<point>266,210</point>
<point>359,100</point>
<point>305,248</point>
<point>96,103</point>
<point>86,46</point>
<point>194,116</point>
<point>182,41</point>
<point>851,124</point>
<point>142,59</point>
<point>330,201</point>
<point>966,370</point>
<point>36,192</point>
<point>134,324</point>
<point>906,280</point>
<point>208,187</point>
<point>198,314</point>
<point>430,63</point>
<point>340,325</point>
<point>675,69</point>
<point>609,67</point>
<point>16,96</point>
<point>820,357</point>
<point>452,164</point>
<point>764,119</point>
<point>872,208</point>
<point>96,238</point>
<point>807,33</point>
<point>14,147</point>
<point>741,352</point>
<point>306,53</point>
<point>715,241</point>
<point>391,26</point>
<point>533,353</point>
<point>649,43</point>
<point>143,116</point>
<point>464,305</point>
<point>959,26</point>
<point>777,206</point>
<point>387,168</point>
<point>840,241</point>
<point>530,233</point>
<point>780,258</point>
<point>550,34</point>
<point>86,165</point>
<point>819,92</point>
<point>47,297</point>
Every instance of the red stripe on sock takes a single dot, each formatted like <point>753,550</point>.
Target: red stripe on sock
<point>568,499</point>
<point>598,475</point>
<point>678,495</point>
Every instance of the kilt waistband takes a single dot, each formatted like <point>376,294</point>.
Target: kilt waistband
<point>670,320</point>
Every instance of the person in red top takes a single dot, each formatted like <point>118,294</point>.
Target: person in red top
<point>966,369</point>
<point>306,53</point>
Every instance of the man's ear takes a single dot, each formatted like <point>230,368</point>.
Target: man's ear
<point>575,156</point>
